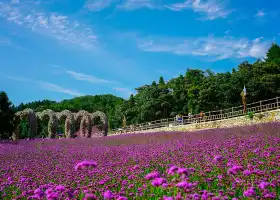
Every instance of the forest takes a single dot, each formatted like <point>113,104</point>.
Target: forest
<point>193,92</point>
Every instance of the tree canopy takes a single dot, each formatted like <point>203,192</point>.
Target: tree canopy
<point>6,116</point>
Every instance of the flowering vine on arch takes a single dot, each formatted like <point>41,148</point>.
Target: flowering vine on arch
<point>53,121</point>
<point>103,119</point>
<point>30,115</point>
<point>69,121</point>
<point>85,123</point>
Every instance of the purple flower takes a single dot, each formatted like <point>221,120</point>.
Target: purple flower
<point>172,169</point>
<point>182,171</point>
<point>38,191</point>
<point>167,198</point>
<point>108,195</point>
<point>247,172</point>
<point>220,176</point>
<point>124,182</point>
<point>237,168</point>
<point>121,198</point>
<point>256,150</point>
<point>263,185</point>
<point>85,164</point>
<point>249,193</point>
<point>60,188</point>
<point>217,158</point>
<point>269,196</point>
<point>184,184</point>
<point>89,196</point>
<point>196,196</point>
<point>231,171</point>
<point>52,196</point>
<point>158,181</point>
<point>152,175</point>
<point>49,191</point>
<point>205,195</point>
<point>136,167</point>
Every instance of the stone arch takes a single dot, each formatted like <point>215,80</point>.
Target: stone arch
<point>53,121</point>
<point>30,115</point>
<point>69,121</point>
<point>85,123</point>
<point>103,119</point>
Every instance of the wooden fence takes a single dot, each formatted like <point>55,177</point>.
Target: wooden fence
<point>256,107</point>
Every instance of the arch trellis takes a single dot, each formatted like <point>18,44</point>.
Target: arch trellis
<point>103,119</point>
<point>83,117</point>
<point>30,116</point>
<point>85,123</point>
<point>53,121</point>
<point>69,122</point>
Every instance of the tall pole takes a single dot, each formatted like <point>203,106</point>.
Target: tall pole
<point>243,96</point>
<point>124,122</point>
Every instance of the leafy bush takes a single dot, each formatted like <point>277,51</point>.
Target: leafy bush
<point>250,115</point>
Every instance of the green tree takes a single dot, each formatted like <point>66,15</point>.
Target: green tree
<point>273,54</point>
<point>6,116</point>
<point>161,82</point>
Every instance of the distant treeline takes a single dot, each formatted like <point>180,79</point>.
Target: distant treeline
<point>192,92</point>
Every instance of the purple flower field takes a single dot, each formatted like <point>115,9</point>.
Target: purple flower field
<point>236,163</point>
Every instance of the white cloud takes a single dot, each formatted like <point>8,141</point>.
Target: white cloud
<point>57,88</point>
<point>137,4</point>
<point>17,78</point>
<point>46,85</point>
<point>4,41</point>
<point>146,44</point>
<point>88,78</point>
<point>227,32</point>
<point>211,47</point>
<point>15,1</point>
<point>98,5</point>
<point>260,13</point>
<point>81,76</point>
<point>49,24</point>
<point>211,9</point>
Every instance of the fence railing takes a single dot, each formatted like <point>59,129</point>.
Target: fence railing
<point>255,107</point>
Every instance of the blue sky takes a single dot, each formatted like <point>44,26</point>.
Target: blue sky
<point>59,49</point>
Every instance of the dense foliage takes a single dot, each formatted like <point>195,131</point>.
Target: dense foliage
<point>198,90</point>
<point>236,163</point>
<point>6,116</point>
<point>192,92</point>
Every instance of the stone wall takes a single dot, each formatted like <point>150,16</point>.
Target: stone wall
<point>264,117</point>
